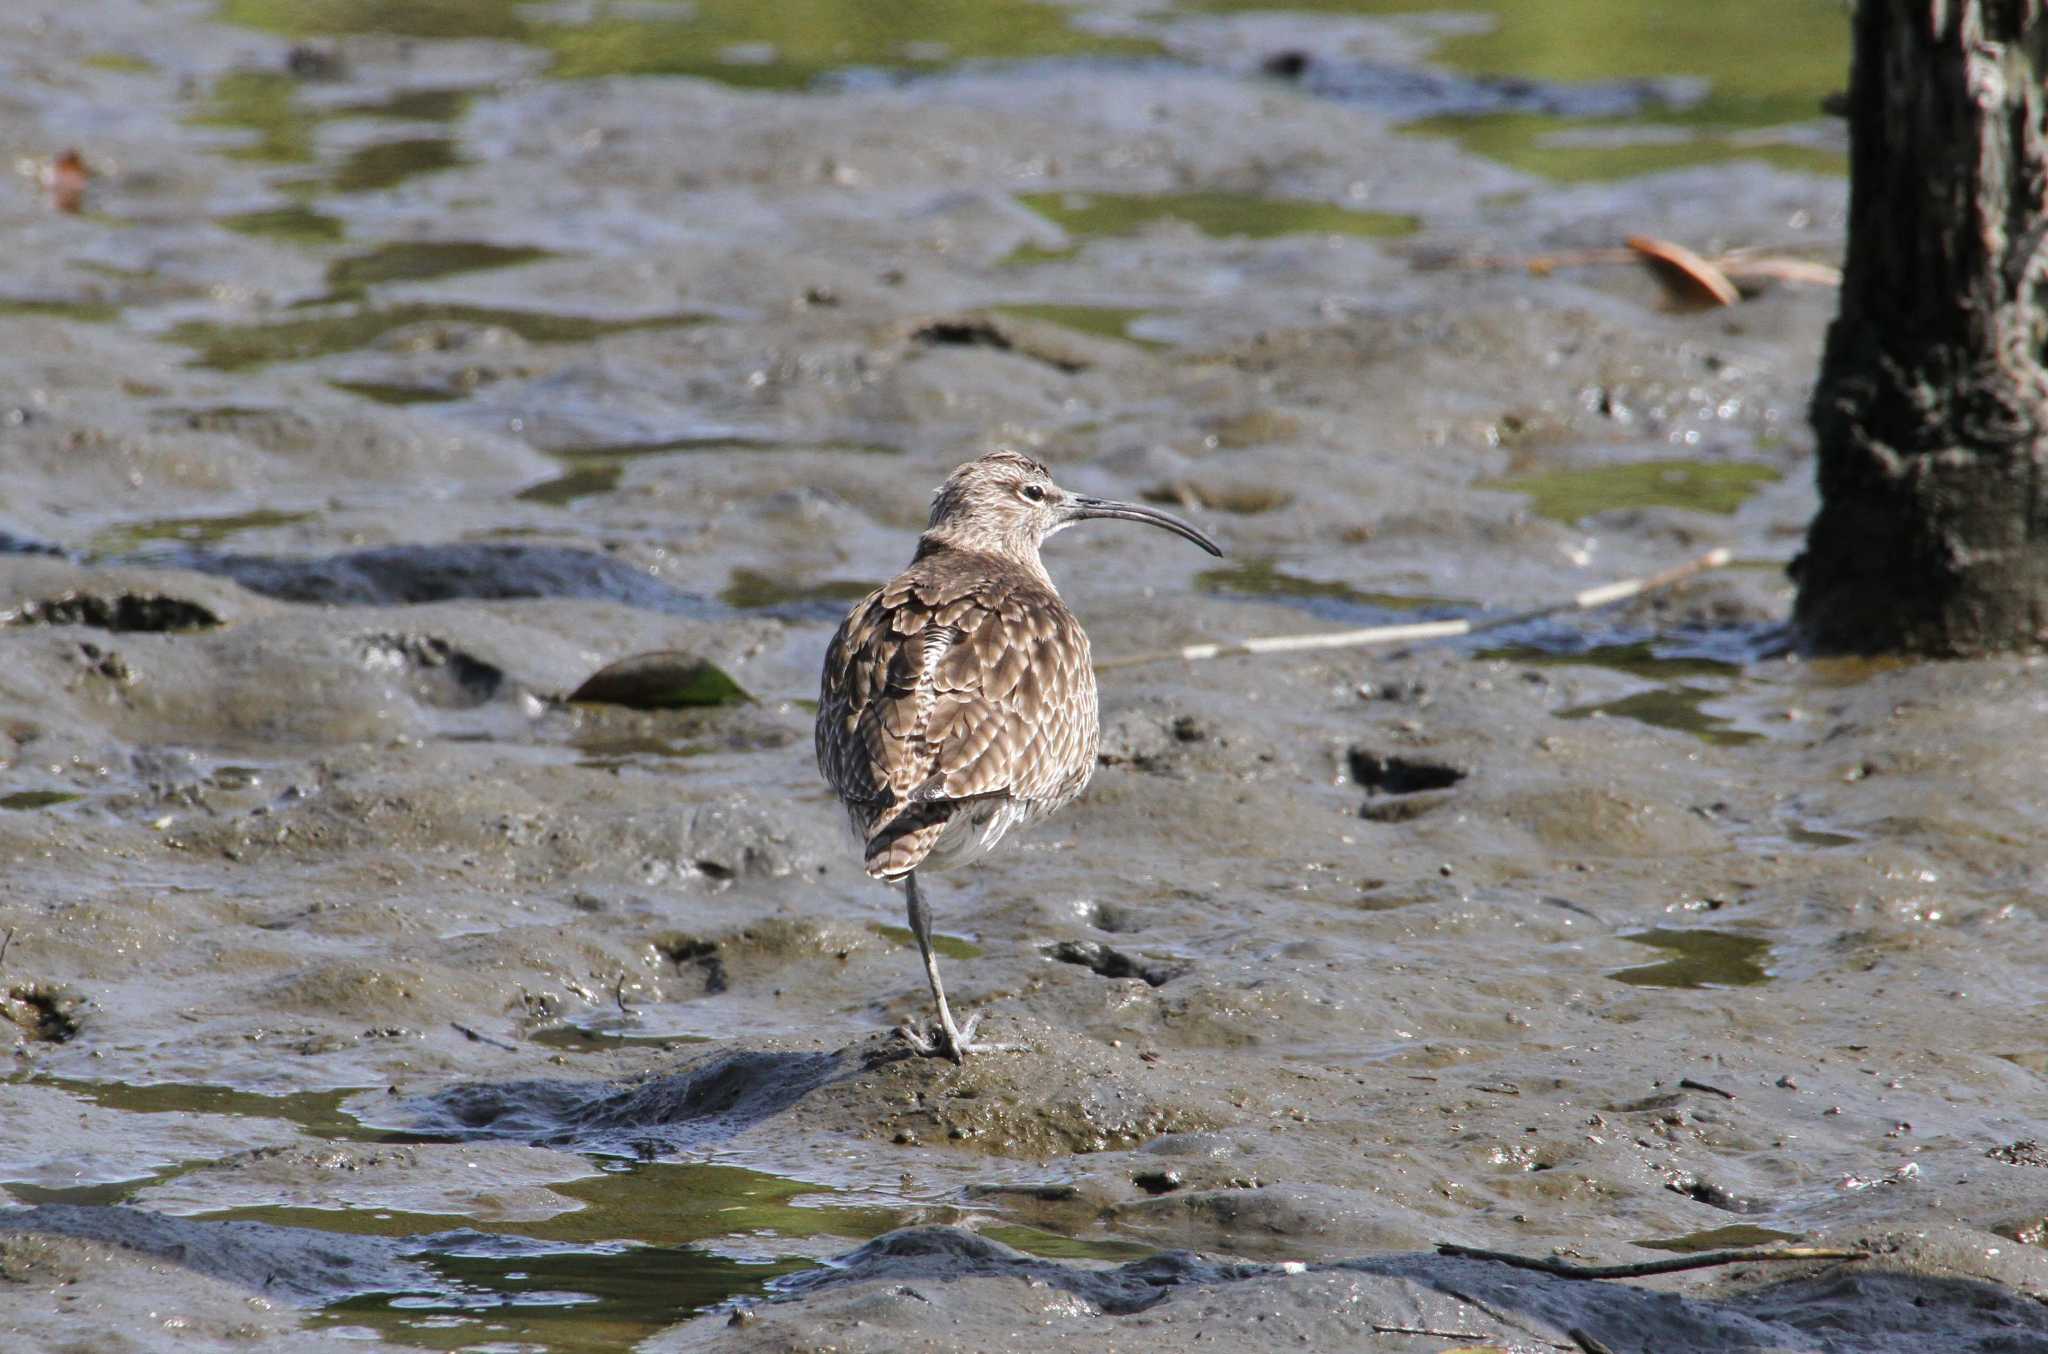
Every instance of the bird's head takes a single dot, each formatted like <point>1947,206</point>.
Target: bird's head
<point>1006,504</point>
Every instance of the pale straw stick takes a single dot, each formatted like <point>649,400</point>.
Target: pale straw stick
<point>1607,594</point>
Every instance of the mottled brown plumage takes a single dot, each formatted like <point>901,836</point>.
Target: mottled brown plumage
<point>958,700</point>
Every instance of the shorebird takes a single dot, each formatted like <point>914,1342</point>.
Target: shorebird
<point>958,700</point>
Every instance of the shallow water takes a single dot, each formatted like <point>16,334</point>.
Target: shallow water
<point>412,362</point>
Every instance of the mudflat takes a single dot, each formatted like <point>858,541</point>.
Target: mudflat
<point>385,385</point>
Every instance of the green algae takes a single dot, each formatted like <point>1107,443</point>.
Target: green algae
<point>748,588</point>
<point>1263,577</point>
<point>1697,486</point>
<point>1754,84</point>
<point>237,347</point>
<point>38,799</point>
<point>1677,707</point>
<point>786,45</point>
<point>582,482</point>
<point>393,393</point>
<point>131,536</point>
<point>296,224</point>
<point>419,260</point>
<point>1697,958</point>
<point>950,947</point>
<point>1110,322</point>
<point>1087,216</point>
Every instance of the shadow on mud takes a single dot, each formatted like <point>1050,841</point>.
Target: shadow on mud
<point>1826,1305</point>
<point>691,1109</point>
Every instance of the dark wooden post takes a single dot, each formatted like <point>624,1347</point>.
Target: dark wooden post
<point>1931,411</point>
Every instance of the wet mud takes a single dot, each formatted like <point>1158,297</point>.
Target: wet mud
<point>365,975</point>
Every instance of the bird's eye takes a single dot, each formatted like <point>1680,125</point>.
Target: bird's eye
<point>1033,492</point>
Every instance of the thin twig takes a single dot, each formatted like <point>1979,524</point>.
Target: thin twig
<point>478,1036</point>
<point>1565,1270</point>
<point>6,941</point>
<point>1607,594</point>
<point>1587,1341</point>
<point>1690,1085</point>
<point>1424,1330</point>
<point>1748,261</point>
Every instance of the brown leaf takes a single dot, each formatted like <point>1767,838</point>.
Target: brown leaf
<point>1685,274</point>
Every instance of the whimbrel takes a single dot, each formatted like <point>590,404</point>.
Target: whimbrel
<point>958,700</point>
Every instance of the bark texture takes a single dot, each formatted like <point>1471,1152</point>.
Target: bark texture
<point>1932,407</point>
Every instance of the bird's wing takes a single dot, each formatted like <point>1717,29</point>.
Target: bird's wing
<point>939,691</point>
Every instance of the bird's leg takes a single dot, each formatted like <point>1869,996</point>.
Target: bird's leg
<point>954,1042</point>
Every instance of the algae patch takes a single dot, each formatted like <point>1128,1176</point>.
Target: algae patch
<point>1698,486</point>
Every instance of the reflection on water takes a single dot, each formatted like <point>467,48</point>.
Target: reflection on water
<point>1680,707</point>
<point>1690,667</point>
<point>654,1243</point>
<point>318,1113</point>
<point>1698,958</point>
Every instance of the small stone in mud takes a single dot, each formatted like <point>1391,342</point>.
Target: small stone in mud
<point>2025,1152</point>
<point>663,680</point>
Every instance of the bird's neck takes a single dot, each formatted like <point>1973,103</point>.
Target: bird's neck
<point>1018,554</point>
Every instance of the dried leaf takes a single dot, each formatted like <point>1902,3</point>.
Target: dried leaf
<point>65,177</point>
<point>1684,273</point>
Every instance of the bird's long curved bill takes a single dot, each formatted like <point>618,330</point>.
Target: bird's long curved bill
<point>1085,508</point>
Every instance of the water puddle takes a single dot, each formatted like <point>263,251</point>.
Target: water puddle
<point>1571,109</point>
<point>1697,958</point>
<point>611,1032</point>
<point>23,800</point>
<point>318,1113</point>
<point>419,260</point>
<point>713,442</point>
<point>1053,1246</point>
<point>1218,214</point>
<point>501,1295</point>
<point>1680,708</point>
<point>385,164</point>
<point>123,63</point>
<point>297,224</point>
<point>790,45</point>
<point>1736,1235</point>
<point>1243,500</point>
<point>653,1244</point>
<point>130,537</point>
<point>238,347</point>
<point>647,748</point>
<point>1699,486</point>
<point>948,947</point>
<point>88,312</point>
<point>1328,599</point>
<point>1690,670</point>
<point>583,482</point>
<point>1110,322</point>
<point>750,589</point>
<point>386,392</point>
<point>266,104</point>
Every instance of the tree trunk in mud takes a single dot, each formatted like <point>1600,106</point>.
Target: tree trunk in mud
<point>1932,407</point>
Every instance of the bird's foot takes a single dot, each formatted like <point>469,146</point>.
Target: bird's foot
<point>944,1041</point>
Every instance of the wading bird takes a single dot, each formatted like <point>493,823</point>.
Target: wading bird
<point>958,700</point>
